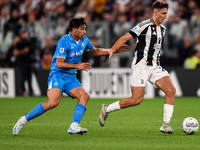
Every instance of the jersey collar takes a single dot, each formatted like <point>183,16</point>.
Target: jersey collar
<point>71,37</point>
<point>152,21</point>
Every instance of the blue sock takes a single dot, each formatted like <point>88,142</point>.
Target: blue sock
<point>37,111</point>
<point>79,111</point>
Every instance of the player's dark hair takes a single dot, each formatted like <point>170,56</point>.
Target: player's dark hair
<point>160,5</point>
<point>76,23</point>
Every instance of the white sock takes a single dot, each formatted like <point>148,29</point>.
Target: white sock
<point>74,124</point>
<point>168,111</point>
<point>23,120</point>
<point>113,107</point>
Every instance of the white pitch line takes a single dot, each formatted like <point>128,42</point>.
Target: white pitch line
<point>90,122</point>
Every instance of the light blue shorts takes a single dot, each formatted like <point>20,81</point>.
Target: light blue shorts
<point>64,84</point>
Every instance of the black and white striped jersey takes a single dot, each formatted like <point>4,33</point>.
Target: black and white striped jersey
<point>149,42</point>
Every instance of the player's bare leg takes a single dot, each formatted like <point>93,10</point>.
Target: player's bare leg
<point>167,87</point>
<point>54,96</point>
<point>135,99</point>
<point>82,96</point>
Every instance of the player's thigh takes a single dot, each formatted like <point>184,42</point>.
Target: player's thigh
<point>79,93</point>
<point>157,74</point>
<point>73,88</point>
<point>137,93</point>
<point>54,94</point>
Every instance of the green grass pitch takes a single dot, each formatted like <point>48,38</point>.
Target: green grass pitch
<point>131,128</point>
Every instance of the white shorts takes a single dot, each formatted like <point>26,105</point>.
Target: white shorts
<point>141,73</point>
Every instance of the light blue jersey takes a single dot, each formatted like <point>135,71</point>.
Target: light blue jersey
<point>72,51</point>
<point>61,78</point>
<point>64,78</point>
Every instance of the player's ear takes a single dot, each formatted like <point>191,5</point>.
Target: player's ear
<point>74,29</point>
<point>155,12</point>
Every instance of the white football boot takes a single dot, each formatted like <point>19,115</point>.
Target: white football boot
<point>165,128</point>
<point>18,126</point>
<point>103,114</point>
<point>76,129</point>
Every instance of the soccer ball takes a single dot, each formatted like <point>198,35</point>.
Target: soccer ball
<point>190,125</point>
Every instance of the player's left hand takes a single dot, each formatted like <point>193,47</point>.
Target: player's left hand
<point>110,52</point>
<point>84,66</point>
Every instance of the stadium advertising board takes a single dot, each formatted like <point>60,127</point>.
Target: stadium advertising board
<point>110,83</point>
<point>7,83</point>
<point>113,83</point>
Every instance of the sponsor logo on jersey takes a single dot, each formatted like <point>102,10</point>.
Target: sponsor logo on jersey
<point>76,53</point>
<point>79,53</point>
<point>72,54</point>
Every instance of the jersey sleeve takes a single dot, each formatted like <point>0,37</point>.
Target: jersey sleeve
<point>89,45</point>
<point>61,48</point>
<point>137,30</point>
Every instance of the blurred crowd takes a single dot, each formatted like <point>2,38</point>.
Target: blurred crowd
<point>30,29</point>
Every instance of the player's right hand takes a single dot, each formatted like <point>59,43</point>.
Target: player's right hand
<point>84,66</point>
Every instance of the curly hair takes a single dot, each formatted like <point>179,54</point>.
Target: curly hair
<point>76,23</point>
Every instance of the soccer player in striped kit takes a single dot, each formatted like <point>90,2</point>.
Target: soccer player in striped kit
<point>146,66</point>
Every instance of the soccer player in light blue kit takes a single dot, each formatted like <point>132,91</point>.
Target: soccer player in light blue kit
<point>62,77</point>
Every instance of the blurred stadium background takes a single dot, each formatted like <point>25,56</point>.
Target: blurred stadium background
<point>30,29</point>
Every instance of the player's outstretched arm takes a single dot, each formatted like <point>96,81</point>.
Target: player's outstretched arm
<point>120,42</point>
<point>103,51</point>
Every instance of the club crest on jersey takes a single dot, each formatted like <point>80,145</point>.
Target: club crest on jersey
<point>153,28</point>
<point>83,44</point>
<point>62,50</point>
<point>56,83</point>
<point>163,32</point>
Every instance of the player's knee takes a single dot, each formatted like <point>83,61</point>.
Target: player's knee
<point>171,91</point>
<point>134,101</point>
<point>53,104</point>
<point>86,97</point>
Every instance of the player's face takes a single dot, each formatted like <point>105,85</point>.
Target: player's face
<point>80,32</point>
<point>161,15</point>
